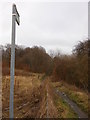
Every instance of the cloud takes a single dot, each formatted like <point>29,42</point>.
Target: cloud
<point>55,25</point>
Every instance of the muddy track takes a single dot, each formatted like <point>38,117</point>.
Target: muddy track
<point>47,107</point>
<point>73,105</point>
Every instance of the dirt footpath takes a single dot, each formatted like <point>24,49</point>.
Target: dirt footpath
<point>47,107</point>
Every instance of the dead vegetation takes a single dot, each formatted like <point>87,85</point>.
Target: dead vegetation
<point>26,96</point>
<point>30,97</point>
<point>47,106</point>
<point>34,97</point>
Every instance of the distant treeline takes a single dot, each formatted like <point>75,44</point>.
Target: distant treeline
<point>73,68</point>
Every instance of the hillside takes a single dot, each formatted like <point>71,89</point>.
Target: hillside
<point>35,97</point>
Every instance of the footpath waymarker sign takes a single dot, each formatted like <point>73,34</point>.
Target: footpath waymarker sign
<point>15,18</point>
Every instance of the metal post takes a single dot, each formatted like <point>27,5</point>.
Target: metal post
<point>12,63</point>
<point>88,46</point>
<point>15,18</point>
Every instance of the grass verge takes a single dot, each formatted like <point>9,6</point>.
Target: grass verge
<point>76,95</point>
<point>64,110</point>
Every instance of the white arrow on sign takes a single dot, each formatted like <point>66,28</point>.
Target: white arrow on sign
<point>17,16</point>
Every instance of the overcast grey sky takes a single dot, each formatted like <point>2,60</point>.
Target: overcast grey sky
<point>53,25</point>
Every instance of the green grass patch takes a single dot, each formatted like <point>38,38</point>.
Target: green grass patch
<point>80,98</point>
<point>64,110</point>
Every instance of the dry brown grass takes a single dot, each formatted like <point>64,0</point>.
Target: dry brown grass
<point>47,106</point>
<point>25,94</point>
<point>30,97</point>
